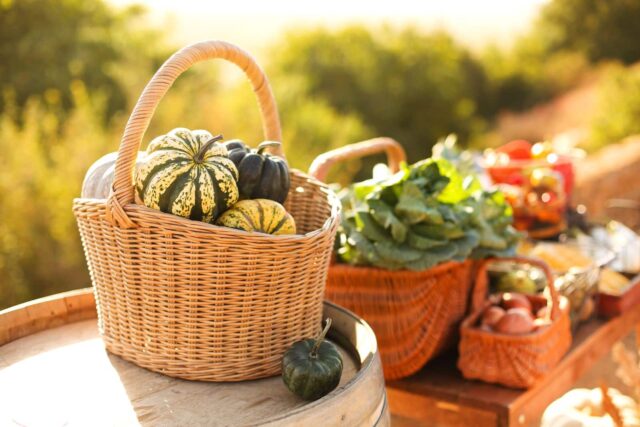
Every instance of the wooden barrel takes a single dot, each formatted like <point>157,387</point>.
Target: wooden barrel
<point>54,370</point>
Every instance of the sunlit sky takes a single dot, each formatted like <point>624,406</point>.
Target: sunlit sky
<point>253,24</point>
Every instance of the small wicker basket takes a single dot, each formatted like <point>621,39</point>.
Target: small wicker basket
<point>415,314</point>
<point>194,300</point>
<point>512,360</point>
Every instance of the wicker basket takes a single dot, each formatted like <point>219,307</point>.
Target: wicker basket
<point>415,315</point>
<point>513,360</point>
<point>193,300</point>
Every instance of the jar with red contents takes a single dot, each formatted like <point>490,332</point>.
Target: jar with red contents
<point>536,181</point>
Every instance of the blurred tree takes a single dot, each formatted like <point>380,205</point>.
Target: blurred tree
<point>618,108</point>
<point>403,84</point>
<point>47,44</point>
<point>310,125</point>
<point>600,29</point>
<point>525,74</point>
<point>40,251</point>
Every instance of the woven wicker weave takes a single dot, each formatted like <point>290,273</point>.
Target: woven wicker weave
<point>414,314</point>
<point>513,360</point>
<point>193,300</point>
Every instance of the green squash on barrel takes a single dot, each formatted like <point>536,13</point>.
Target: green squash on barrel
<point>187,173</point>
<point>312,368</point>
<point>262,176</point>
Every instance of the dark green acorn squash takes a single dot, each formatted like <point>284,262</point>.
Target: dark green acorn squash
<point>187,173</point>
<point>262,176</point>
<point>312,368</point>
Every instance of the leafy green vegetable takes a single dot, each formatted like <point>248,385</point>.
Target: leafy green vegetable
<point>384,215</point>
<point>417,241</point>
<point>423,215</point>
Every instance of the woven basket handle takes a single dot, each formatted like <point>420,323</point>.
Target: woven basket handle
<point>123,191</point>
<point>320,167</point>
<point>482,283</point>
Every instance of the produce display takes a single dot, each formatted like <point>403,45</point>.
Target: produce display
<point>515,314</point>
<point>261,215</point>
<point>513,161</point>
<point>539,202</point>
<point>425,214</point>
<point>192,175</point>
<point>312,368</point>
<point>186,173</point>
<point>576,268</point>
<point>537,180</point>
<point>262,176</point>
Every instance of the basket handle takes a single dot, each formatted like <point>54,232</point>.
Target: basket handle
<point>320,167</point>
<point>481,288</point>
<point>123,192</point>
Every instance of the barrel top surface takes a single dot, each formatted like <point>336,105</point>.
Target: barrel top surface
<point>64,376</point>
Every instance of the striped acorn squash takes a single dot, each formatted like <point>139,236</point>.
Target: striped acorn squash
<point>261,215</point>
<point>186,173</point>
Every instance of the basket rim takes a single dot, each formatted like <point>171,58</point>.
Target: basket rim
<point>404,272</point>
<point>332,200</point>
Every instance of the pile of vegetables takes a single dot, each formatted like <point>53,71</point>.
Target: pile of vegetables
<point>425,214</point>
<point>515,314</point>
<point>193,175</point>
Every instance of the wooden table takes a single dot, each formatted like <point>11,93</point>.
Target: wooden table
<point>439,396</point>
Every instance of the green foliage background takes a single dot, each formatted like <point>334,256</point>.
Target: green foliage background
<point>71,70</point>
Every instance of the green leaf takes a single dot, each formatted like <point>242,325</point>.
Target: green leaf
<point>420,242</point>
<point>481,253</point>
<point>384,216</point>
<point>489,239</point>
<point>447,213</point>
<point>412,206</point>
<point>444,231</point>
<point>433,257</point>
<point>388,265</point>
<point>362,189</point>
<point>466,244</point>
<point>370,228</point>
<point>365,247</point>
<point>398,254</point>
<point>459,187</point>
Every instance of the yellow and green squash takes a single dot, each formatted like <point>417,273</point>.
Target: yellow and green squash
<point>261,215</point>
<point>187,173</point>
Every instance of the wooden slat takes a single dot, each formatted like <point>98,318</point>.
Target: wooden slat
<point>425,411</point>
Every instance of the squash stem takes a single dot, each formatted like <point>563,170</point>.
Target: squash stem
<point>320,338</point>
<point>205,148</point>
<point>267,144</point>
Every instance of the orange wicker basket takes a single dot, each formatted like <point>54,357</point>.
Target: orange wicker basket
<point>191,299</point>
<point>513,360</point>
<point>415,314</point>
